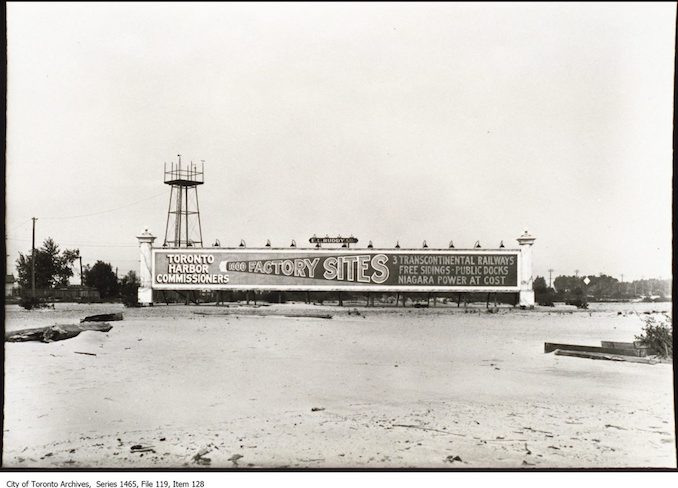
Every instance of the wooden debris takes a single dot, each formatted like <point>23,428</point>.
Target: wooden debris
<point>140,448</point>
<point>53,333</point>
<point>309,315</point>
<point>636,347</point>
<point>410,426</point>
<point>618,345</point>
<point>551,346</point>
<point>234,458</point>
<point>104,317</point>
<point>603,356</point>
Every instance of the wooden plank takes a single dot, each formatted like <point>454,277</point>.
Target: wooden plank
<point>104,317</point>
<point>308,315</point>
<point>617,345</point>
<point>603,356</point>
<point>640,351</point>
<point>552,346</point>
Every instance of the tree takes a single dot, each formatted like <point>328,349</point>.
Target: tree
<point>567,284</point>
<point>129,284</point>
<point>52,266</point>
<point>542,293</point>
<point>603,286</point>
<point>539,283</point>
<point>101,277</point>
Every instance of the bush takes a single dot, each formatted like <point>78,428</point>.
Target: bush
<point>129,286</point>
<point>658,336</point>
<point>578,299</point>
<point>545,297</point>
<point>29,302</point>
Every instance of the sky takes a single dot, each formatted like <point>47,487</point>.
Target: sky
<point>388,121</point>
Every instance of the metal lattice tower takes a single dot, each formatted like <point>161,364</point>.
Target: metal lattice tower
<point>186,213</point>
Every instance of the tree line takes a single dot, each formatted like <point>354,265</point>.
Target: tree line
<point>54,268</point>
<point>582,289</point>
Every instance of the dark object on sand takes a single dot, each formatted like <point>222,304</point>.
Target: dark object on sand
<point>234,458</point>
<point>29,303</point>
<point>200,458</point>
<point>604,356</point>
<point>550,347</point>
<point>104,317</point>
<point>309,315</point>
<point>53,333</point>
<point>140,448</point>
<point>317,409</point>
<point>638,348</point>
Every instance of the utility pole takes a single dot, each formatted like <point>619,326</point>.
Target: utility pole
<point>80,258</point>
<point>33,259</point>
<point>621,285</point>
<point>550,273</point>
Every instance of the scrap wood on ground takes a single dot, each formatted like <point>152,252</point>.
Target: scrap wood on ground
<point>610,351</point>
<point>54,333</point>
<point>607,357</point>
<point>103,317</point>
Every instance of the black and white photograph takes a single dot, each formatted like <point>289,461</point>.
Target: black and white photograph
<point>338,236</point>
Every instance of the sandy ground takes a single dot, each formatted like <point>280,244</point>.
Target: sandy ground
<point>394,388</point>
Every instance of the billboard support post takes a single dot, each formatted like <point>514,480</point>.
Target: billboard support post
<point>145,292</point>
<point>526,294</point>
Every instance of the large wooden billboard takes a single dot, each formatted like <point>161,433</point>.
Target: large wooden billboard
<point>495,270</point>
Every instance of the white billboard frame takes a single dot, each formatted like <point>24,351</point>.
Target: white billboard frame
<point>338,288</point>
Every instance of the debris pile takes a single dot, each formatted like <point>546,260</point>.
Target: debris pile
<point>104,317</point>
<point>54,333</point>
<point>608,350</point>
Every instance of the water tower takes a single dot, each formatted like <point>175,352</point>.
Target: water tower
<point>183,221</point>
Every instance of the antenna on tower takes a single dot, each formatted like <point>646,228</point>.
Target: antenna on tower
<point>183,211</point>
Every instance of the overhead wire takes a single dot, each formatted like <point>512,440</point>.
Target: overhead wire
<point>104,211</point>
<point>85,244</point>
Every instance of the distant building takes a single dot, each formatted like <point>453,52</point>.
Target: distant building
<point>11,286</point>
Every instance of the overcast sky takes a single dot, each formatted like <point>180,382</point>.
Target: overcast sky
<point>390,122</point>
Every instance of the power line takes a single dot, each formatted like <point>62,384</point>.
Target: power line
<point>103,211</point>
<point>18,226</point>
<point>81,244</point>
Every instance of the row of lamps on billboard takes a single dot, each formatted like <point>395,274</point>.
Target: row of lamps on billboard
<point>424,245</point>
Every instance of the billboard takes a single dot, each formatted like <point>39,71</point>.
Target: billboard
<point>336,269</point>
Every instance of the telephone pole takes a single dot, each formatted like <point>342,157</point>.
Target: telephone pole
<point>621,285</point>
<point>80,258</point>
<point>33,259</point>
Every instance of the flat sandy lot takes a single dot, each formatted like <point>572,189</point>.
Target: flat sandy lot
<point>429,388</point>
